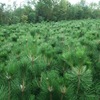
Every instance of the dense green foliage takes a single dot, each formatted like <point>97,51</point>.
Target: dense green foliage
<point>48,10</point>
<point>50,61</point>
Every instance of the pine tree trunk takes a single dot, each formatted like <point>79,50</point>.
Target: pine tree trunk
<point>50,96</point>
<point>62,96</point>
<point>78,86</point>
<point>9,90</point>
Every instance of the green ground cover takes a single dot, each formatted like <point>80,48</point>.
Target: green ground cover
<point>50,61</point>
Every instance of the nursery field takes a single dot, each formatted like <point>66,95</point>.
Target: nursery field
<point>50,61</point>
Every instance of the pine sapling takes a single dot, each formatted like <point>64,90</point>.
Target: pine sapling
<point>50,89</point>
<point>78,85</point>
<point>9,86</point>
<point>22,86</point>
<point>63,92</point>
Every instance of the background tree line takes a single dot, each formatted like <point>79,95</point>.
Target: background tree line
<point>48,10</point>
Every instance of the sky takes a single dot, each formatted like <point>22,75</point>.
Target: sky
<point>87,1</point>
<point>23,1</point>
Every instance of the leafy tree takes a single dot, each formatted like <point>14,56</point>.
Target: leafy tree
<point>44,9</point>
<point>2,13</point>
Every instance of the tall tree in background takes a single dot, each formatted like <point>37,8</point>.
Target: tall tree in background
<point>2,12</point>
<point>44,9</point>
<point>62,10</point>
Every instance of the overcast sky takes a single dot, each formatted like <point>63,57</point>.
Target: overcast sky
<point>19,1</point>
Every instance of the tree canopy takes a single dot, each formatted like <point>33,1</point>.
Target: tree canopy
<point>48,10</point>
